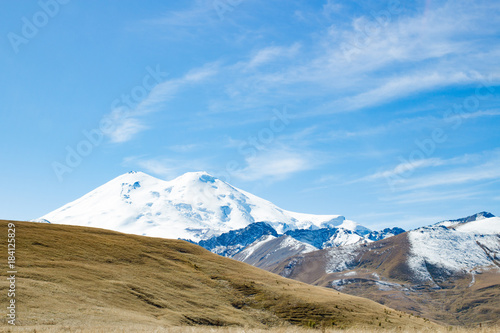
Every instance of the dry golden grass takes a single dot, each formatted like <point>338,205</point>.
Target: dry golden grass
<point>87,278</point>
<point>138,328</point>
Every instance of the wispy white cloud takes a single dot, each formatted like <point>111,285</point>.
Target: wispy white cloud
<point>331,7</point>
<point>351,134</point>
<point>275,164</point>
<point>269,54</point>
<point>125,126</point>
<point>161,168</point>
<point>477,114</point>
<point>483,172</point>
<point>410,54</point>
<point>440,173</point>
<point>405,172</point>
<point>127,123</point>
<point>411,124</point>
<point>167,90</point>
<point>403,168</point>
<point>401,86</point>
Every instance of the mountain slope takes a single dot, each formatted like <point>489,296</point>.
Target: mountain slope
<point>269,251</point>
<point>447,274</point>
<point>194,206</point>
<point>73,276</point>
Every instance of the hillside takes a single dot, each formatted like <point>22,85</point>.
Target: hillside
<point>71,275</point>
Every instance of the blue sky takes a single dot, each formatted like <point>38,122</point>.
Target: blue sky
<point>387,113</point>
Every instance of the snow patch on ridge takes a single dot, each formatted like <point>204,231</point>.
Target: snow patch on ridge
<point>250,249</point>
<point>454,251</point>
<point>341,258</point>
<point>291,243</point>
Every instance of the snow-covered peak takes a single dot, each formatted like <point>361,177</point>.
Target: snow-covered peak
<point>133,176</point>
<point>475,217</point>
<point>485,226</point>
<point>354,226</point>
<point>194,177</point>
<point>343,237</point>
<point>383,234</point>
<point>193,206</point>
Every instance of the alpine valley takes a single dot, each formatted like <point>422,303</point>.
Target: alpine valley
<point>448,272</point>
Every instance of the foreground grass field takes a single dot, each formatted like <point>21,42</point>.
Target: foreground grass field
<point>70,277</point>
<point>45,329</point>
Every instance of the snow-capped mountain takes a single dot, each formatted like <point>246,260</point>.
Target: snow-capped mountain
<point>251,244</point>
<point>428,253</point>
<point>461,248</point>
<point>487,226</point>
<point>443,272</point>
<point>194,206</point>
<point>349,232</point>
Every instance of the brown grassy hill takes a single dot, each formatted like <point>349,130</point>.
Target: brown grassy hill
<point>74,276</point>
<point>379,271</point>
